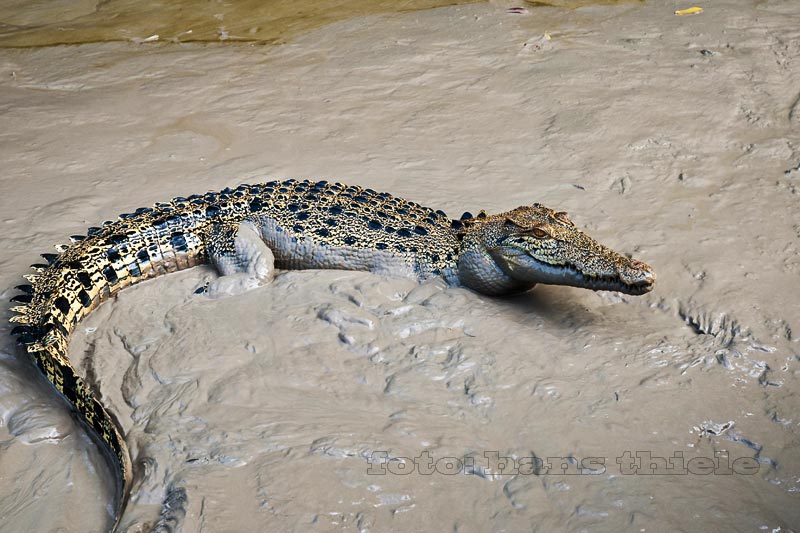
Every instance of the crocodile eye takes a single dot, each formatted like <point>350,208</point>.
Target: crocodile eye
<point>539,233</point>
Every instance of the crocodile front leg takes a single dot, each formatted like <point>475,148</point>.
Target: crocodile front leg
<point>241,257</point>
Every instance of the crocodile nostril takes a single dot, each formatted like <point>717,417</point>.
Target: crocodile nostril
<point>637,273</point>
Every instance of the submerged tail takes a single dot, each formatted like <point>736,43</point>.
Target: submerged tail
<point>152,241</point>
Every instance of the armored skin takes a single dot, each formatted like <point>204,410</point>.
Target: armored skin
<point>249,231</point>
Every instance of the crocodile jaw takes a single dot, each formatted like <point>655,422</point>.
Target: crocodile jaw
<point>624,275</point>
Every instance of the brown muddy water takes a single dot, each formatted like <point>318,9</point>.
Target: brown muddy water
<point>348,401</point>
<point>25,23</point>
<point>45,23</point>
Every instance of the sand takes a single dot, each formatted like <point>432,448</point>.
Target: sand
<point>671,138</point>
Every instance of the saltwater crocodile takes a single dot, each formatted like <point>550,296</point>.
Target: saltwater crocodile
<point>249,231</point>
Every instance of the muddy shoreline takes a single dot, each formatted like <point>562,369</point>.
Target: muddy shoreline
<point>267,409</point>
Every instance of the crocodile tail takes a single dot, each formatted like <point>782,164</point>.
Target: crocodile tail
<point>150,242</point>
<point>50,361</point>
<point>45,324</point>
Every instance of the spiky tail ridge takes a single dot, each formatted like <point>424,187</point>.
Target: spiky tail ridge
<point>152,241</point>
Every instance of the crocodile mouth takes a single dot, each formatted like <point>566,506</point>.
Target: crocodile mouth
<point>613,282</point>
<point>631,276</point>
<point>640,281</point>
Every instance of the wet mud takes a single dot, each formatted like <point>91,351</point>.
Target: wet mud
<point>353,401</point>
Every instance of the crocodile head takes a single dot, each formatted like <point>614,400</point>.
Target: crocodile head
<point>533,244</point>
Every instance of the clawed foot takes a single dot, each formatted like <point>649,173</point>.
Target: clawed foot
<point>230,285</point>
<point>241,257</point>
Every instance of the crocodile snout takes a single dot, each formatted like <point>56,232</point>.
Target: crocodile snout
<point>637,274</point>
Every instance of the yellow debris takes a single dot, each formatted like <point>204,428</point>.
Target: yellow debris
<point>689,11</point>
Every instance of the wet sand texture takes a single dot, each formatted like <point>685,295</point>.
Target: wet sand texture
<point>263,409</point>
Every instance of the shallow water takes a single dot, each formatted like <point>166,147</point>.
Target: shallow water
<point>273,409</point>
<point>39,23</point>
<point>24,23</point>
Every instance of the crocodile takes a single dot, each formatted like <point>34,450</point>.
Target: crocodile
<point>249,231</point>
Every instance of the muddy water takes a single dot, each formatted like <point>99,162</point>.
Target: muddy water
<point>25,23</point>
<point>346,400</point>
<point>29,24</point>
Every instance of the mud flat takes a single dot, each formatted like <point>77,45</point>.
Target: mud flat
<point>671,138</point>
